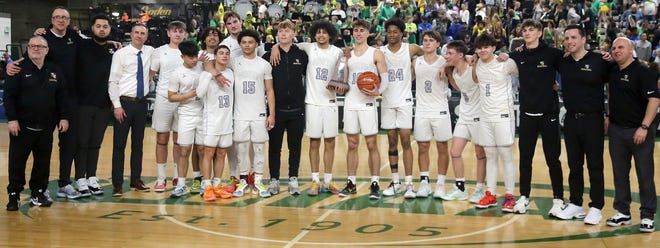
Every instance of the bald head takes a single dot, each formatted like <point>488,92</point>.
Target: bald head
<point>622,51</point>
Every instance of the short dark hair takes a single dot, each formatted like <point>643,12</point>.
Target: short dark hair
<point>397,22</point>
<point>207,32</point>
<point>484,40</point>
<point>458,46</point>
<point>188,48</point>
<point>324,25</point>
<point>361,23</point>
<point>433,34</point>
<point>100,17</point>
<point>532,23</point>
<point>221,47</point>
<point>229,15</point>
<point>248,33</point>
<point>579,28</point>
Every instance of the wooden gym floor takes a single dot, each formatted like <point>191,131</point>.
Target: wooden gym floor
<point>153,219</point>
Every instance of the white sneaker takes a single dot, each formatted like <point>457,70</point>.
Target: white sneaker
<point>83,188</point>
<point>439,191</point>
<point>619,219</point>
<point>593,217</point>
<point>94,186</point>
<point>557,206</point>
<point>393,189</point>
<point>68,192</point>
<point>293,186</point>
<point>455,195</point>
<point>522,204</point>
<point>179,191</point>
<point>647,225</point>
<point>424,189</point>
<point>571,211</point>
<point>477,195</point>
<point>410,191</point>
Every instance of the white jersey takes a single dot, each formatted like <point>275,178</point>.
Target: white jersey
<point>218,103</point>
<point>182,81</point>
<point>322,67</point>
<point>470,100</point>
<point>355,99</point>
<point>399,88</point>
<point>495,89</point>
<point>250,87</point>
<point>431,92</point>
<point>164,61</point>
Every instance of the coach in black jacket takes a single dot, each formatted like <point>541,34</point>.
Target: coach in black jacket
<point>289,88</point>
<point>34,103</point>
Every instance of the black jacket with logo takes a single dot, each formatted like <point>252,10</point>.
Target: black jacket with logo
<point>289,80</point>
<point>35,97</point>
<point>537,69</point>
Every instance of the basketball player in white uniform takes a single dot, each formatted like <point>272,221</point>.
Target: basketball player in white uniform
<point>253,82</point>
<point>496,122</point>
<point>432,115</point>
<point>165,60</point>
<point>460,76</point>
<point>360,113</point>
<point>397,103</point>
<point>321,101</point>
<point>182,89</point>
<point>217,124</point>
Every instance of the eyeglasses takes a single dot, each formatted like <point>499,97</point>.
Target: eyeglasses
<point>37,46</point>
<point>61,18</point>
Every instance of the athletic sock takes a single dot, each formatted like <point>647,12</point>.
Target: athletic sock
<point>327,178</point>
<point>315,177</point>
<point>161,171</point>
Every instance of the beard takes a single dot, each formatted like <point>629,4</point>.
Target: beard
<point>100,39</point>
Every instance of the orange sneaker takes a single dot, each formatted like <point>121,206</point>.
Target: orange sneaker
<point>209,194</point>
<point>488,201</point>
<point>220,192</point>
<point>330,188</point>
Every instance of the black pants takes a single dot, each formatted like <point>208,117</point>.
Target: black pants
<point>530,127</point>
<point>293,124</point>
<point>584,135</point>
<point>40,144</point>
<point>68,143</point>
<point>92,124</point>
<point>136,119</point>
<point>622,150</point>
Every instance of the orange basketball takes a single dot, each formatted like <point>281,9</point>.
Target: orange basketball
<point>368,80</point>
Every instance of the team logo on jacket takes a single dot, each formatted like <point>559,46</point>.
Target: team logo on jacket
<point>542,65</point>
<point>625,78</point>
<point>52,78</point>
<point>586,68</point>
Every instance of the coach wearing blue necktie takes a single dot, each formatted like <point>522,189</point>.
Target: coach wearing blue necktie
<point>126,86</point>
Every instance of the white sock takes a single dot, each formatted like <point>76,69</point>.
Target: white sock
<point>408,179</point>
<point>352,179</point>
<point>480,186</point>
<point>424,173</point>
<point>395,177</point>
<point>216,181</point>
<point>176,170</point>
<point>197,174</point>
<point>327,178</point>
<point>206,182</point>
<point>315,177</point>
<point>375,179</point>
<point>258,178</point>
<point>441,179</point>
<point>182,181</point>
<point>161,171</point>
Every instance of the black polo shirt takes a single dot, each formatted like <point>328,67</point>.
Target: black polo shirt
<point>537,69</point>
<point>288,80</point>
<point>35,97</point>
<point>583,83</point>
<point>93,71</point>
<point>630,89</point>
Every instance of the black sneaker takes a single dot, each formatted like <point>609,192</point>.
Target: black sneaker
<point>349,189</point>
<point>14,201</point>
<point>41,198</point>
<point>374,194</point>
<point>619,219</point>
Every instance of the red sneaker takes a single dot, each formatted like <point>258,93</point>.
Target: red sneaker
<point>488,201</point>
<point>509,203</point>
<point>231,187</point>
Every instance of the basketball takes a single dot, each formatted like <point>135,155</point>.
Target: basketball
<point>368,80</point>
